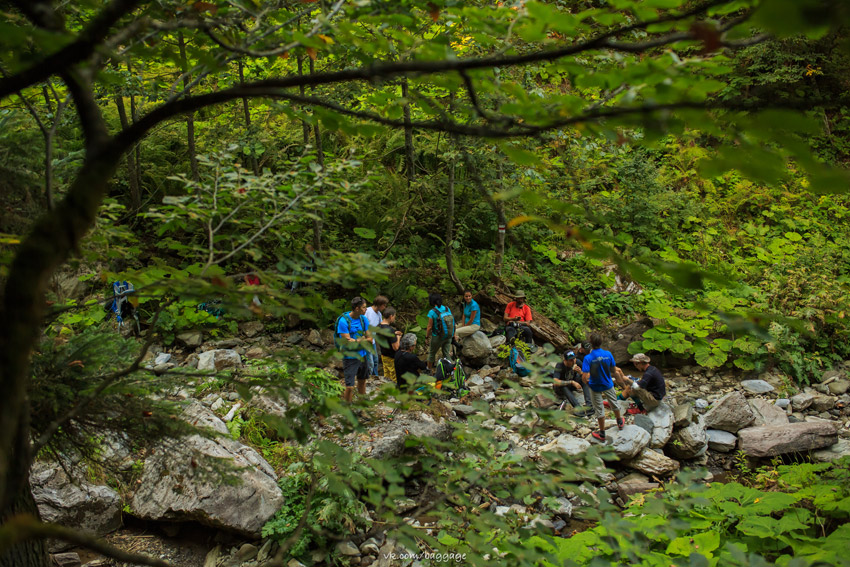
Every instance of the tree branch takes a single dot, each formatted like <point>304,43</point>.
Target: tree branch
<point>24,527</point>
<point>107,381</point>
<point>79,50</point>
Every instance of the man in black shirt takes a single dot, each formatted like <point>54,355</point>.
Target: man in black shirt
<point>649,390</point>
<point>407,364</point>
<point>567,379</point>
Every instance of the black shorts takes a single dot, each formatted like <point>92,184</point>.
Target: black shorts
<point>354,368</point>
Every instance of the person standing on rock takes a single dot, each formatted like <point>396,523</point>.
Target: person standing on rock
<point>353,328</point>
<point>597,370</point>
<point>567,379</point>
<point>408,366</point>
<point>392,337</point>
<point>374,315</point>
<point>517,317</point>
<point>648,391</point>
<point>471,317</point>
<point>441,329</point>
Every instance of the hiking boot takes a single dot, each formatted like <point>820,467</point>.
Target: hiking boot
<point>600,435</point>
<point>621,423</point>
<point>635,411</point>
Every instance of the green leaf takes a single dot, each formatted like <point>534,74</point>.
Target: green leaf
<point>520,156</point>
<point>366,233</point>
<point>703,543</point>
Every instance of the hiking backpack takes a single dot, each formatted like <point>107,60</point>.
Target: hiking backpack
<point>451,377</point>
<point>340,346</point>
<point>120,305</point>
<point>517,362</point>
<point>445,321</point>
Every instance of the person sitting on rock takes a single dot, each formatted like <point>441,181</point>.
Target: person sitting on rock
<point>596,371</point>
<point>567,379</point>
<point>517,316</point>
<point>471,321</point>
<point>408,366</point>
<point>646,392</point>
<point>392,337</point>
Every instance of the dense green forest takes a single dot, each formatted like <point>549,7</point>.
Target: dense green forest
<point>617,160</point>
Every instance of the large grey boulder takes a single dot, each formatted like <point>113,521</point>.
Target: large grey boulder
<point>790,438</point>
<point>625,336</point>
<point>497,341</point>
<point>839,387</point>
<point>628,442</point>
<point>568,444</point>
<point>721,441</point>
<point>74,502</point>
<point>653,463</point>
<point>662,425</point>
<point>730,413</point>
<point>688,442</point>
<point>216,481</point>
<point>389,439</point>
<point>219,359</point>
<point>476,348</point>
<point>767,413</point>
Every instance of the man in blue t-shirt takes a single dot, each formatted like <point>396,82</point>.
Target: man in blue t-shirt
<point>353,328</point>
<point>597,370</point>
<point>471,317</point>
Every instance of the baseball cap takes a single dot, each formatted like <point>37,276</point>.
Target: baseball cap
<point>569,354</point>
<point>640,357</point>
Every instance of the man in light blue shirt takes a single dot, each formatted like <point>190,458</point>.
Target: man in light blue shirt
<point>471,317</point>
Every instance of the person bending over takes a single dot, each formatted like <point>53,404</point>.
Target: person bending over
<point>646,392</point>
<point>408,366</point>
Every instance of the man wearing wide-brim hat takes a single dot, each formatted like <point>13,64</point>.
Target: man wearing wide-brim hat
<point>646,392</point>
<point>517,317</point>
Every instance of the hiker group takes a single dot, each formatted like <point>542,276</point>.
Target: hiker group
<point>366,337</point>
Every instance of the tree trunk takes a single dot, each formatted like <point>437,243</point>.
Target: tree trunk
<point>305,128</point>
<point>138,149</point>
<point>499,210</point>
<point>408,135</point>
<point>320,156</point>
<point>32,552</point>
<point>190,117</point>
<point>132,180</point>
<point>252,159</point>
<point>450,220</point>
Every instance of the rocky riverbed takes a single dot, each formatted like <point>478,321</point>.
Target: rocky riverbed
<point>707,420</point>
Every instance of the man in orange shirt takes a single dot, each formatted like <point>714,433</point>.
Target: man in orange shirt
<point>517,316</point>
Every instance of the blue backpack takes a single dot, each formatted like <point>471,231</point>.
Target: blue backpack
<point>517,361</point>
<point>340,346</point>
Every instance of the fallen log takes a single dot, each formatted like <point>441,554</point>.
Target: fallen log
<point>544,329</point>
